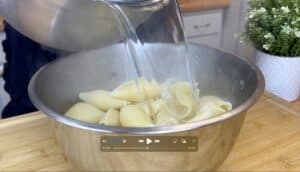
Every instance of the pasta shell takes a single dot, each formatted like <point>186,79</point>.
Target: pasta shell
<point>111,118</point>
<point>153,90</point>
<point>85,112</point>
<point>155,107</point>
<point>211,106</point>
<point>146,107</point>
<point>135,116</point>
<point>227,106</point>
<point>207,111</point>
<point>102,99</point>
<point>165,118</point>
<point>183,94</point>
<point>132,92</point>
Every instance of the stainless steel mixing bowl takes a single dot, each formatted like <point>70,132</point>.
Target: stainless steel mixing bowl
<point>56,86</point>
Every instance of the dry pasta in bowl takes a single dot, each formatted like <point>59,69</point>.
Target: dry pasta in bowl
<point>144,103</point>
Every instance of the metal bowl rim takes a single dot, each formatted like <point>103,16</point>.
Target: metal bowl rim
<point>150,130</point>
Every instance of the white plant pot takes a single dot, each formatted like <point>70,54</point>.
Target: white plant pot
<point>282,75</point>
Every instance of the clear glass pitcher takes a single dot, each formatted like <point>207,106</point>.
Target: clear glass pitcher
<point>162,27</point>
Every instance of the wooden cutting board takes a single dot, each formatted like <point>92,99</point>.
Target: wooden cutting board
<point>269,141</point>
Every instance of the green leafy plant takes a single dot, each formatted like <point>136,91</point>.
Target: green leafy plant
<point>273,26</point>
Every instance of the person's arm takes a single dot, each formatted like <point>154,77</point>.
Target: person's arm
<point>24,57</point>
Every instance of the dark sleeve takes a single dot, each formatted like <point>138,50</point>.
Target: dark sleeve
<point>24,57</point>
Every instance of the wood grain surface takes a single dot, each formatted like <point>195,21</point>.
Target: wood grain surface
<point>1,24</point>
<point>198,5</point>
<point>269,141</point>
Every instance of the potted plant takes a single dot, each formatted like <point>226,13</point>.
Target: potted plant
<point>273,28</point>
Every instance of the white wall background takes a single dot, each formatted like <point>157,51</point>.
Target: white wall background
<point>234,23</point>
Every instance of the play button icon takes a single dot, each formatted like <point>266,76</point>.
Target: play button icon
<point>148,141</point>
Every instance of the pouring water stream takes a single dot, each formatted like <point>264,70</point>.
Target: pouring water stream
<point>136,49</point>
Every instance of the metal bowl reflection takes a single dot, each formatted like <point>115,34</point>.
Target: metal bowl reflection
<point>56,86</point>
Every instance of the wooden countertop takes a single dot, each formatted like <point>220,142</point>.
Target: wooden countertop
<point>198,5</point>
<point>1,24</point>
<point>269,141</point>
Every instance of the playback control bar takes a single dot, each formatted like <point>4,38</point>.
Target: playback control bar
<point>149,144</point>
